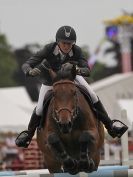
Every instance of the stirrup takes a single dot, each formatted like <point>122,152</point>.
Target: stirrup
<point>115,120</point>
<point>23,139</point>
<point>121,130</point>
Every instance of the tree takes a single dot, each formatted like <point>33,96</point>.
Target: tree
<point>85,50</point>
<point>98,72</point>
<point>7,63</point>
<point>31,83</point>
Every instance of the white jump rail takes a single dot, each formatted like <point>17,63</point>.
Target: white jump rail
<point>106,171</point>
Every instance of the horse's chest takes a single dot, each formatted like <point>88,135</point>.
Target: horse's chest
<point>70,141</point>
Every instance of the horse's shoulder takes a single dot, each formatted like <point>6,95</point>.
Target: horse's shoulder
<point>82,90</point>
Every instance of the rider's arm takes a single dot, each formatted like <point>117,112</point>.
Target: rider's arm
<point>35,60</point>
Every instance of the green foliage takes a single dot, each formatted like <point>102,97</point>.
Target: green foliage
<point>97,72</point>
<point>85,50</point>
<point>7,63</point>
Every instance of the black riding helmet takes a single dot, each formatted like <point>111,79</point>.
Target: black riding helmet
<point>67,34</point>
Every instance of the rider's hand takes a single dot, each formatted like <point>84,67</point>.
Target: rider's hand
<point>34,72</point>
<point>83,71</point>
<point>78,71</point>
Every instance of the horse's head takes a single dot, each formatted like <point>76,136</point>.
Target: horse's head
<point>67,71</point>
<point>64,104</point>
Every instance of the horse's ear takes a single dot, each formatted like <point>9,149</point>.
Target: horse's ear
<point>74,72</point>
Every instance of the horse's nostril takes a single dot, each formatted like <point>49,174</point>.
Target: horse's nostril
<point>60,124</point>
<point>69,124</point>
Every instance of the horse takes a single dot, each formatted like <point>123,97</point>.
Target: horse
<point>71,136</point>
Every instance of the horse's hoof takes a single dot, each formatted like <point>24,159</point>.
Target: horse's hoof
<point>86,165</point>
<point>61,171</point>
<point>73,172</point>
<point>92,166</point>
<point>70,166</point>
<point>83,165</point>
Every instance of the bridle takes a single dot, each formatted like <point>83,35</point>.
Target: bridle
<point>73,112</point>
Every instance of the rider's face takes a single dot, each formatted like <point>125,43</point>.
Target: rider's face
<point>65,46</point>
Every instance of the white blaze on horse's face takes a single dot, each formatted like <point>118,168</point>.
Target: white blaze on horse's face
<point>65,104</point>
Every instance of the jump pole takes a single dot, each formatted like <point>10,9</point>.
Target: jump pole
<point>104,171</point>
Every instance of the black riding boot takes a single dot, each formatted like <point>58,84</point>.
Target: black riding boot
<point>25,137</point>
<point>112,129</point>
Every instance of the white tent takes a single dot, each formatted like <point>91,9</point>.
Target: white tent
<point>116,93</point>
<point>127,104</point>
<point>15,108</point>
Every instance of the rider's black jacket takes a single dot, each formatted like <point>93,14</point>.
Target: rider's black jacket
<point>51,54</point>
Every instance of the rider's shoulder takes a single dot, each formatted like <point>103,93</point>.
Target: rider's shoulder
<point>77,49</point>
<point>50,46</point>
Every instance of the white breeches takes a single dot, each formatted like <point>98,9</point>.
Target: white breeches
<point>45,88</point>
<point>79,79</point>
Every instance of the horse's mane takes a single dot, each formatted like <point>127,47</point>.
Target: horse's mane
<point>67,71</point>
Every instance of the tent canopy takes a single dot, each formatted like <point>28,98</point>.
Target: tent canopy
<point>16,108</point>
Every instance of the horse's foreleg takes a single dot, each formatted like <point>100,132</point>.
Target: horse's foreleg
<point>69,164</point>
<point>87,143</point>
<point>57,146</point>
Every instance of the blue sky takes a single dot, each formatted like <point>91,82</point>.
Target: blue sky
<point>29,21</point>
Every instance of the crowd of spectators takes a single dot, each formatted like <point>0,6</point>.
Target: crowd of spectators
<point>10,155</point>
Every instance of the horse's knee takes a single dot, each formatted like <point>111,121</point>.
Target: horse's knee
<point>53,139</point>
<point>87,137</point>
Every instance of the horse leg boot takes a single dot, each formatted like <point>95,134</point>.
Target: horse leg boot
<point>25,137</point>
<point>69,164</point>
<point>87,143</point>
<point>112,129</point>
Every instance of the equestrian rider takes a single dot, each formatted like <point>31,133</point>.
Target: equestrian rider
<point>53,55</point>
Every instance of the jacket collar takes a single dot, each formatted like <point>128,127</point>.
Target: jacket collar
<point>58,51</point>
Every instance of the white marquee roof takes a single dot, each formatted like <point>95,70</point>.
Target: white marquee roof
<point>15,108</point>
<point>116,93</point>
<point>127,104</point>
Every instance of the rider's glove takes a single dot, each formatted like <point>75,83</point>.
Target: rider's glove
<point>34,72</point>
<point>83,71</point>
<point>78,71</point>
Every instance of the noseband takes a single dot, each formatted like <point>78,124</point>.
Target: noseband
<point>73,112</point>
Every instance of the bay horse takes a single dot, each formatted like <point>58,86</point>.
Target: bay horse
<point>71,137</point>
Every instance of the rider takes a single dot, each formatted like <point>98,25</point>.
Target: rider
<point>52,56</point>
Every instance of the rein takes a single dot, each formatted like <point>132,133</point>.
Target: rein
<point>63,82</point>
